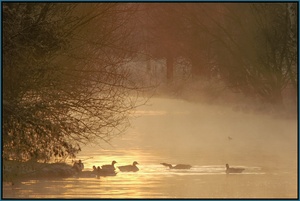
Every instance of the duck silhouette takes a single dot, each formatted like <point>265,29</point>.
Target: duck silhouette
<point>106,172</point>
<point>129,168</point>
<point>109,167</point>
<point>179,166</point>
<point>233,170</point>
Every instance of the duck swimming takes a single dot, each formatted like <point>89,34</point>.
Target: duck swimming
<point>179,166</point>
<point>109,167</point>
<point>106,172</point>
<point>129,168</point>
<point>233,170</point>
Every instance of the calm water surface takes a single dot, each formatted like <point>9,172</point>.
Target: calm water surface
<point>179,132</point>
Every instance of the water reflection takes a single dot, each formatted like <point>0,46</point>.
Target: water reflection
<point>154,181</point>
<point>162,183</point>
<point>176,132</point>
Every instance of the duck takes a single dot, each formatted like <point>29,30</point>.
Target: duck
<point>109,167</point>
<point>129,168</point>
<point>106,172</point>
<point>94,169</point>
<point>179,166</point>
<point>233,170</point>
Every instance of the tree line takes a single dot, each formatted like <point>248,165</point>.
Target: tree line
<point>65,78</point>
<point>251,47</point>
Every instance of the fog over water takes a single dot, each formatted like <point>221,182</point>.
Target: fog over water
<point>204,136</point>
<point>198,84</point>
<point>177,131</point>
<point>182,128</point>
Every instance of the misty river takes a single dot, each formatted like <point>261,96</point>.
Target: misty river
<point>179,132</point>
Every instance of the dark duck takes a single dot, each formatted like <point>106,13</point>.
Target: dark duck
<point>107,170</point>
<point>179,166</point>
<point>109,167</point>
<point>233,170</point>
<point>88,174</point>
<point>129,168</point>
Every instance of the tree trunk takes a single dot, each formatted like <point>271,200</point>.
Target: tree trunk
<point>170,67</point>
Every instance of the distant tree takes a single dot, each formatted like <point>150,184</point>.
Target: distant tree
<point>162,33</point>
<point>251,47</point>
<point>179,30</point>
<point>256,54</point>
<point>64,82</point>
<point>198,44</point>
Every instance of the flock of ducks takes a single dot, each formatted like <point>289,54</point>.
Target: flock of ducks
<point>110,170</point>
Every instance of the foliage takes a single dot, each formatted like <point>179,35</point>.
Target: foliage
<point>63,77</point>
<point>251,47</point>
<point>256,52</point>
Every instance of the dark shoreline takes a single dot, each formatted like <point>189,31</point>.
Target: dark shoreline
<point>14,170</point>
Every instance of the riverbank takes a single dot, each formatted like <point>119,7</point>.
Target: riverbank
<point>14,170</point>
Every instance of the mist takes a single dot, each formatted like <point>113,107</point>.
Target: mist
<point>192,100</point>
<point>206,136</point>
<point>210,134</point>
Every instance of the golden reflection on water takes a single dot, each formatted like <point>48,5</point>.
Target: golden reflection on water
<point>154,181</point>
<point>177,132</point>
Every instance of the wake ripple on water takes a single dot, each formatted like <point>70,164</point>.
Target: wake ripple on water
<point>196,170</point>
